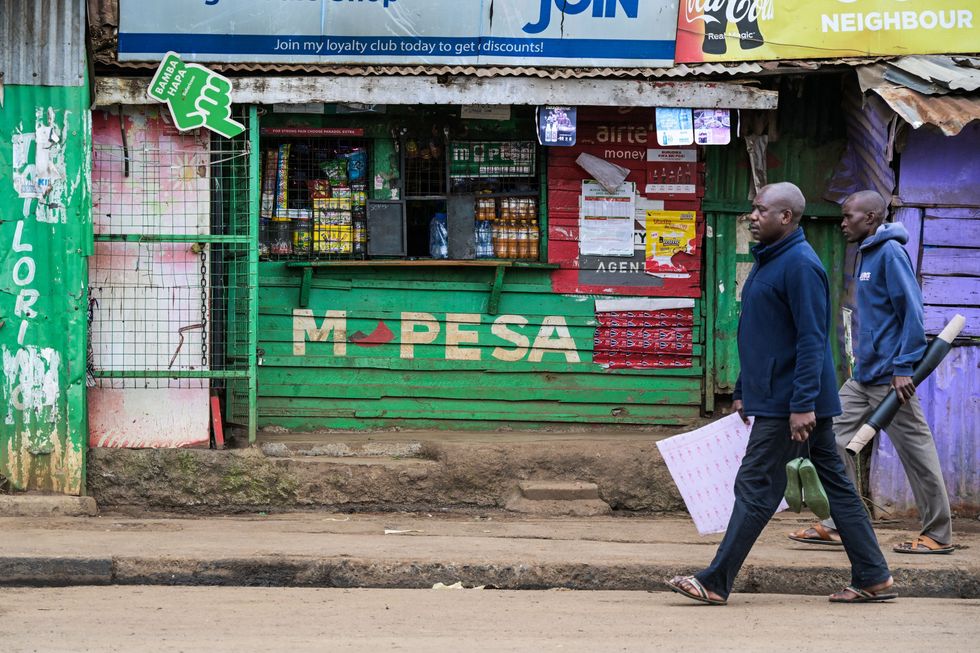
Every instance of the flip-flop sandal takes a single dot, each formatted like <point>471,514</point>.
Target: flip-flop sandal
<point>864,596</point>
<point>923,545</point>
<point>794,493</point>
<point>823,536</point>
<point>814,495</point>
<point>699,594</point>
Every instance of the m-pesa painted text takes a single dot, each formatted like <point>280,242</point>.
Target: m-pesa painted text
<point>456,333</point>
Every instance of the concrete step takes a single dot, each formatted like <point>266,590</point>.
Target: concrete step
<point>627,472</point>
<point>576,498</point>
<point>46,505</point>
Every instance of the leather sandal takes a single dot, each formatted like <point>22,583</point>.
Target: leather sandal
<point>923,545</point>
<point>816,534</point>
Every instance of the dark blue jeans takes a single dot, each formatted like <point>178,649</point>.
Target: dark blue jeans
<point>759,487</point>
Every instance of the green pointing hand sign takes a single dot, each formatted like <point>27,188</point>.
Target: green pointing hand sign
<point>196,96</point>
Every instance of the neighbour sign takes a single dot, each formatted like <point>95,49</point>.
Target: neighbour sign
<point>747,30</point>
<point>455,32</point>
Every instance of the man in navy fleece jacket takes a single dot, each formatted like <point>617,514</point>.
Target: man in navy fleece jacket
<point>787,383</point>
<point>890,341</point>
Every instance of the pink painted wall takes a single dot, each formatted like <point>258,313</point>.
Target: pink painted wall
<point>144,293</point>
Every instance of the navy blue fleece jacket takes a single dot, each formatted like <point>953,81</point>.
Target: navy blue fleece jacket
<point>891,335</point>
<point>783,349</point>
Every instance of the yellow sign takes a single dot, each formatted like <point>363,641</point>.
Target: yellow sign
<point>669,233</point>
<point>747,30</point>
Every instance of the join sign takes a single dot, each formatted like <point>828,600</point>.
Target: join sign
<point>621,33</point>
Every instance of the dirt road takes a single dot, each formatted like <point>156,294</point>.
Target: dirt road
<point>248,619</point>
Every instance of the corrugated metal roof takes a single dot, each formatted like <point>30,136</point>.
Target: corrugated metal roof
<point>679,71</point>
<point>109,65</point>
<point>43,42</point>
<point>935,74</point>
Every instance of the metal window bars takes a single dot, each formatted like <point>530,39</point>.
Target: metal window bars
<point>173,279</point>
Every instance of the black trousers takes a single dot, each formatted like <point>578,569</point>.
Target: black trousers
<point>759,488</point>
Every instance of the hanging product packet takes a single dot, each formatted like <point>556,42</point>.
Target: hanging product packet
<point>335,171</point>
<point>438,236</point>
<point>357,166</point>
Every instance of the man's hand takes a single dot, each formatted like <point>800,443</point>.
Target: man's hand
<point>739,408</point>
<point>904,388</point>
<point>801,425</point>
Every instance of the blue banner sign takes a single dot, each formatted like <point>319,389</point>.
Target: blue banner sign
<point>568,33</point>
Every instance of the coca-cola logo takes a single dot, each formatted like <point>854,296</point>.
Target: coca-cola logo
<point>734,10</point>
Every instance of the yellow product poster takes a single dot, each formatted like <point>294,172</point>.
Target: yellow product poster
<point>753,30</point>
<point>669,233</point>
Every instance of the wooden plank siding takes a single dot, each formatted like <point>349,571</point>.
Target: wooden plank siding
<point>950,268</point>
<point>472,375</point>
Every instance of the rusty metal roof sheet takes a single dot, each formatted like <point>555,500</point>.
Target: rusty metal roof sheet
<point>928,90</point>
<point>951,113</point>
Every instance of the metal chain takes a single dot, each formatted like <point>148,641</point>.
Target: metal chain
<point>204,306</point>
<point>90,350</point>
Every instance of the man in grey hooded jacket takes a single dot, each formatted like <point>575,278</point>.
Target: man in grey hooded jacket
<point>890,341</point>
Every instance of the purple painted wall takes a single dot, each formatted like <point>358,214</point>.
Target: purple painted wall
<point>935,173</point>
<point>942,170</point>
<point>951,402</point>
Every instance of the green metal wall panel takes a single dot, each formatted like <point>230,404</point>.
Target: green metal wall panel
<point>526,365</point>
<point>810,138</point>
<point>729,241</point>
<point>45,228</point>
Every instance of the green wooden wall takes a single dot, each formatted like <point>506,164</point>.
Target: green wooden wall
<point>538,372</point>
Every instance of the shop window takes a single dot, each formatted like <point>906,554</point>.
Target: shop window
<point>454,199</point>
<point>314,198</point>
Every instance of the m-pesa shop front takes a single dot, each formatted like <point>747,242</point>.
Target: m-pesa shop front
<point>425,261</point>
<point>437,267</point>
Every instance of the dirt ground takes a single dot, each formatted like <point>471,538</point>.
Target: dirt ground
<point>226,619</point>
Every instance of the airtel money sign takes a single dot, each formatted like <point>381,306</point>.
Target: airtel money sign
<point>747,30</point>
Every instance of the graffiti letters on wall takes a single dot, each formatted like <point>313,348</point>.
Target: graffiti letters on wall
<point>35,203</point>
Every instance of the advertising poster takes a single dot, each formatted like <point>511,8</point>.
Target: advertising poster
<point>669,233</point>
<point>556,126</point>
<point>593,33</point>
<point>755,30</point>
<point>674,127</point>
<point>672,173</point>
<point>712,126</point>
<point>606,219</point>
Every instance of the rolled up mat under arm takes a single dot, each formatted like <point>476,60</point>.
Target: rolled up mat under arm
<point>886,410</point>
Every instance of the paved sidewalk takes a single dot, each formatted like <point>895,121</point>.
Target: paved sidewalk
<point>418,550</point>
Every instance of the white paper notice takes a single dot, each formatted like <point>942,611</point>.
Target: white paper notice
<point>703,464</point>
<point>606,220</point>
